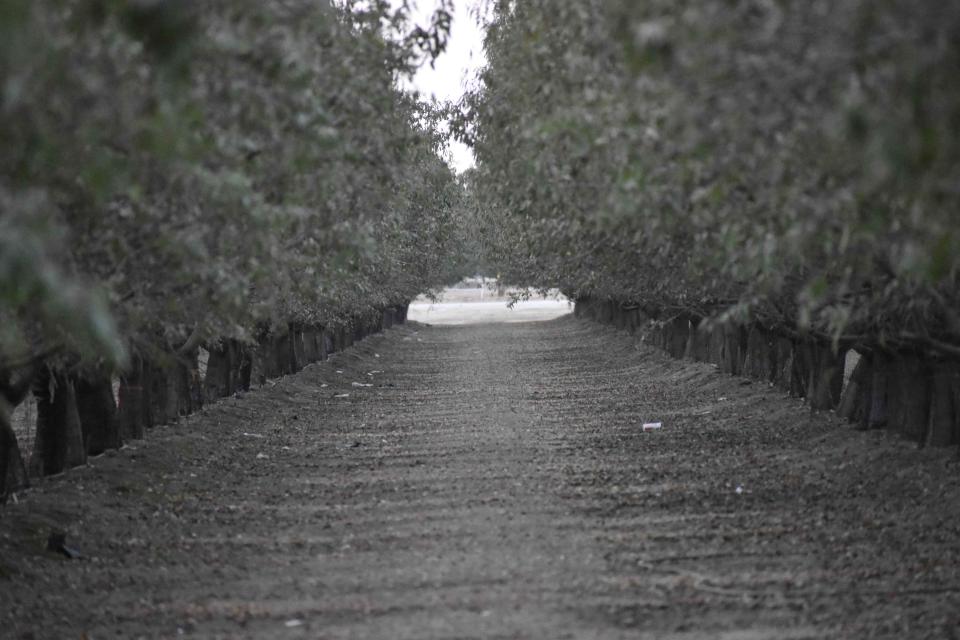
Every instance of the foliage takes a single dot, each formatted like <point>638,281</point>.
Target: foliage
<point>796,163</point>
<point>170,166</point>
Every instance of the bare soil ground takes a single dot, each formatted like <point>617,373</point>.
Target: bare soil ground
<point>494,482</point>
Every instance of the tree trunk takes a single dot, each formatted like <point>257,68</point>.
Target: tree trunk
<point>326,344</point>
<point>245,356</point>
<point>654,335</point>
<point>732,350</point>
<point>616,317</point>
<point>13,473</point>
<point>298,356</point>
<point>783,356</point>
<point>911,388</point>
<point>675,335</point>
<point>804,363</point>
<point>191,386</point>
<point>219,381</point>
<point>582,307</point>
<point>283,352</point>
<point>758,362</point>
<point>855,401</point>
<point>944,427</point>
<point>97,411</point>
<point>159,392</point>
<point>715,346</point>
<point>311,352</point>
<point>174,378</point>
<point>133,406</point>
<point>606,313</point>
<point>826,378</point>
<point>59,437</point>
<point>701,343</point>
<point>879,414</point>
<point>632,320</point>
<point>275,357</point>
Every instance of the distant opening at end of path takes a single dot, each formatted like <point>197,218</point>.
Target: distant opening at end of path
<point>476,301</point>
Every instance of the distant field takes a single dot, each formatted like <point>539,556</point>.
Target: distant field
<point>476,306</point>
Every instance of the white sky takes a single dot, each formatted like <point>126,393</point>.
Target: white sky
<point>455,67</point>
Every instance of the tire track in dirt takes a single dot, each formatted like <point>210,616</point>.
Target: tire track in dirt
<point>494,482</point>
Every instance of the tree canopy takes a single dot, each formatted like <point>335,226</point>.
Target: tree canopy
<point>792,163</point>
<point>173,168</point>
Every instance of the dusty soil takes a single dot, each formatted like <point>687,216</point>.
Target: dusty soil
<point>495,482</point>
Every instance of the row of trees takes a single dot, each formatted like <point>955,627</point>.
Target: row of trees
<point>793,166</point>
<point>179,173</point>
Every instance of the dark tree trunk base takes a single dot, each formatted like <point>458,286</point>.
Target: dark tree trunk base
<point>916,397</point>
<point>944,426</point>
<point>855,401</point>
<point>13,472</point>
<point>59,437</point>
<point>132,403</point>
<point>98,414</point>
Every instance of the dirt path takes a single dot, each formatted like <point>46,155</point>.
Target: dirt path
<point>494,482</point>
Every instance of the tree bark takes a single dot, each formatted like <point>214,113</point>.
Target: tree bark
<point>298,356</point>
<point>158,399</point>
<point>219,381</point>
<point>175,404</point>
<point>701,343</point>
<point>133,405</point>
<point>326,344</point>
<point>803,365</point>
<point>758,363</point>
<point>911,388</point>
<point>245,355</point>
<point>676,335</point>
<point>260,357</point>
<point>606,312</point>
<point>97,411</point>
<point>783,355</point>
<point>826,378</point>
<point>732,350</point>
<point>13,472</point>
<point>311,352</point>
<point>283,352</point>
<point>855,401</point>
<point>879,414</point>
<point>191,391</point>
<point>59,436</point>
<point>944,427</point>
